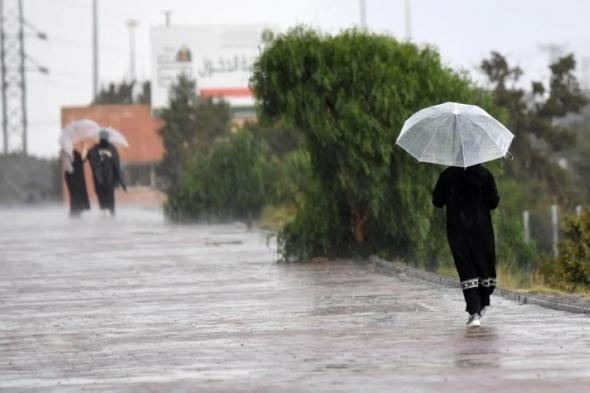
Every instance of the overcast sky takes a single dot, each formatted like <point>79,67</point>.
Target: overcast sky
<point>465,31</point>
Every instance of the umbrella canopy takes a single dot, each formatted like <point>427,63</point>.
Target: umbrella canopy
<point>454,134</point>
<point>75,132</point>
<point>83,129</point>
<point>115,136</point>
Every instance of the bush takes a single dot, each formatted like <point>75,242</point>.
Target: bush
<point>310,233</point>
<point>294,178</point>
<point>231,180</point>
<point>209,172</point>
<point>570,270</point>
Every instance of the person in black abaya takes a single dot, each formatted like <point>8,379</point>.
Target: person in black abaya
<point>106,172</point>
<point>469,195</point>
<point>75,181</point>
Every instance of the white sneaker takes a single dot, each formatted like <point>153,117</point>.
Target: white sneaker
<point>473,321</point>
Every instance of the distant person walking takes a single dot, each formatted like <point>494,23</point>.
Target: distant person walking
<point>469,195</point>
<point>75,181</point>
<point>106,172</point>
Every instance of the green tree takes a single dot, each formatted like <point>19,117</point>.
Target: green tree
<point>580,153</point>
<point>145,96</point>
<point>123,93</point>
<point>535,121</point>
<point>349,94</point>
<point>192,124</point>
<point>536,117</point>
<point>280,138</point>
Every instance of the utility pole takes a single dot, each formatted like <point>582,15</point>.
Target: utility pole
<point>555,228</point>
<point>3,76</point>
<point>13,59</point>
<point>132,24</point>
<point>23,79</point>
<point>408,19</point>
<point>167,14</point>
<point>94,49</point>
<point>363,10</point>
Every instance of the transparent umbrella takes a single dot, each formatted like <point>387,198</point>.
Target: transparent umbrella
<point>75,132</point>
<point>454,134</point>
<point>115,136</point>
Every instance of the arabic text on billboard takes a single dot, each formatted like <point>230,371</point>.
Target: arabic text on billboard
<point>219,59</point>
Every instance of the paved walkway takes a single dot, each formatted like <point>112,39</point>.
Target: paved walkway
<point>137,305</point>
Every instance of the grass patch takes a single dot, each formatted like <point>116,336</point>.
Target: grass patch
<point>514,278</point>
<point>510,276</point>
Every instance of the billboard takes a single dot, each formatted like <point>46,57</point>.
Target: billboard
<point>219,58</point>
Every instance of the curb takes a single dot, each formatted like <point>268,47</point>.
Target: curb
<point>397,268</point>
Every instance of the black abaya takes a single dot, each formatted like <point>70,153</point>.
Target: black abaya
<point>470,194</point>
<point>107,173</point>
<point>76,184</point>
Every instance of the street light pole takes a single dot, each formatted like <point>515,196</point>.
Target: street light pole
<point>363,10</point>
<point>132,24</point>
<point>94,49</point>
<point>408,19</point>
<point>167,14</point>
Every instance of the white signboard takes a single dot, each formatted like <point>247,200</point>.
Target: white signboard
<point>219,58</point>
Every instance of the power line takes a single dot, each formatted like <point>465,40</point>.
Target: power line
<point>64,76</point>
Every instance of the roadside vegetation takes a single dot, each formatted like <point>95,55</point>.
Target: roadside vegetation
<point>321,166</point>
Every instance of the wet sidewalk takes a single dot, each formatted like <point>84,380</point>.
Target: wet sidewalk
<point>144,306</point>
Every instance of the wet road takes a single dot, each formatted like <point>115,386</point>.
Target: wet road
<point>137,305</point>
